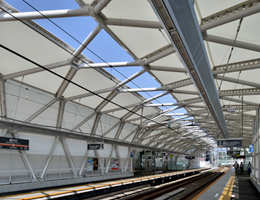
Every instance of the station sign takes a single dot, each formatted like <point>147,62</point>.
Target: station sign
<point>234,142</point>
<point>99,146</point>
<point>14,143</point>
<point>251,148</point>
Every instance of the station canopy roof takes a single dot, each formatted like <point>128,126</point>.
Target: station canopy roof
<point>123,73</point>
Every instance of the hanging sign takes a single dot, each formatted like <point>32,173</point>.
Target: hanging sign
<point>99,146</point>
<point>231,110</point>
<point>131,154</point>
<point>233,142</point>
<point>14,143</point>
<point>251,148</point>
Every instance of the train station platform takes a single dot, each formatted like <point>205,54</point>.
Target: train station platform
<point>231,186</point>
<point>90,189</point>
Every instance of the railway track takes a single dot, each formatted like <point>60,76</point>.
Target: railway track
<point>183,189</point>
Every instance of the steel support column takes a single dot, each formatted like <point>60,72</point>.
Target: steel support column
<point>3,104</point>
<point>101,165</point>
<point>83,163</point>
<point>128,158</point>
<point>118,157</point>
<point>28,164</point>
<point>68,156</point>
<point>109,159</point>
<point>49,157</point>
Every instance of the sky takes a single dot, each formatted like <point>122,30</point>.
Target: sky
<point>103,45</point>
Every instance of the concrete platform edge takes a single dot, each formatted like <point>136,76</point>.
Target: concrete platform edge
<point>53,183</point>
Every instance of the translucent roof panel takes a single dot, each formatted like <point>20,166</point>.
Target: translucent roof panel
<point>103,90</point>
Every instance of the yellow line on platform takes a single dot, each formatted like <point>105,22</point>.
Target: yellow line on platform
<point>226,194</point>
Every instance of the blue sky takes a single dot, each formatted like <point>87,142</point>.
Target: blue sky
<point>103,45</point>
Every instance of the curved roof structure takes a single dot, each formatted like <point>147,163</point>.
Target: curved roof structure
<point>108,70</point>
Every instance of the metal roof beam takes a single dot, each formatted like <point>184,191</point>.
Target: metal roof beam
<point>239,81</point>
<point>133,23</point>
<point>112,128</point>
<point>239,101</point>
<point>71,73</point>
<point>34,70</point>
<point>179,84</point>
<point>167,69</point>
<point>240,92</point>
<point>85,43</point>
<point>43,14</point>
<point>158,89</point>
<point>192,53</point>
<point>142,90</point>
<point>108,65</point>
<point>137,104</point>
<point>237,66</point>
<point>239,116</point>
<point>161,104</point>
<point>36,129</point>
<point>229,42</point>
<point>83,121</point>
<point>159,54</point>
<point>100,6</point>
<point>239,107</point>
<point>121,84</point>
<point>45,107</point>
<point>233,13</point>
<point>105,101</point>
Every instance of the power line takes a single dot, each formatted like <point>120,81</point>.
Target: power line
<point>83,46</point>
<point>64,78</point>
<point>88,63</point>
<point>111,66</point>
<point>238,28</point>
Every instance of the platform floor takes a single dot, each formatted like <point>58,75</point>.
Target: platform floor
<point>216,190</point>
<point>231,186</point>
<point>244,189</point>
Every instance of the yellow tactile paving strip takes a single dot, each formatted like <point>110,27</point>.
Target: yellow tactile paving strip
<point>226,194</point>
